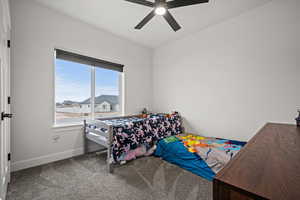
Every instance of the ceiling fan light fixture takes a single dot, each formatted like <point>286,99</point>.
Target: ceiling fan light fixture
<point>162,7</point>
<point>160,10</point>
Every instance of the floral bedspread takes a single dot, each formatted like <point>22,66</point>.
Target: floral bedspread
<point>131,133</point>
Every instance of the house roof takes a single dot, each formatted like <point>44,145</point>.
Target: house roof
<point>68,102</point>
<point>112,99</point>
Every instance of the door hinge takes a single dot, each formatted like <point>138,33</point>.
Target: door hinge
<point>8,43</point>
<point>8,157</point>
<point>8,100</point>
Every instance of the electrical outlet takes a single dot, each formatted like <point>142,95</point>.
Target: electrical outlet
<point>55,138</point>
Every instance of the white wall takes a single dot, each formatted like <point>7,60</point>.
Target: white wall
<point>36,32</point>
<point>231,78</point>
<point>227,80</point>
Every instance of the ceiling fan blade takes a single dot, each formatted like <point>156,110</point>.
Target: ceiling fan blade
<point>172,22</point>
<point>181,3</point>
<point>145,20</point>
<point>142,2</point>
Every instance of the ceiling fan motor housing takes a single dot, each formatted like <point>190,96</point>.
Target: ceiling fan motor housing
<point>161,3</point>
<point>161,7</point>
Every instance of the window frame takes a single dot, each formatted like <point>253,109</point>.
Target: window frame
<point>93,87</point>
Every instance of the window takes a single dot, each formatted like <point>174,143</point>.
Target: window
<point>86,88</point>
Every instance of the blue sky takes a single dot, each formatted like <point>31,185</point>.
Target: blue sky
<point>73,81</point>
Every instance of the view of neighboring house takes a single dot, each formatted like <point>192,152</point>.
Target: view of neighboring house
<point>103,104</point>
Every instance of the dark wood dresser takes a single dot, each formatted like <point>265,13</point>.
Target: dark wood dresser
<point>268,167</point>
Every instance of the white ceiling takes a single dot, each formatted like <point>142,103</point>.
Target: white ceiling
<point>120,17</point>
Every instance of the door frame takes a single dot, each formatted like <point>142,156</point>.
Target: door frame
<point>5,28</point>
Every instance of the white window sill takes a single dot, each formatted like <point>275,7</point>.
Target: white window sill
<point>75,126</point>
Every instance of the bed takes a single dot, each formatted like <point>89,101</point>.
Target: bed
<point>203,156</point>
<point>126,138</point>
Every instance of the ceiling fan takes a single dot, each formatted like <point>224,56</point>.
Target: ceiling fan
<point>161,7</point>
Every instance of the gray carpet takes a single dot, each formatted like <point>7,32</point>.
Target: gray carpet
<point>85,178</point>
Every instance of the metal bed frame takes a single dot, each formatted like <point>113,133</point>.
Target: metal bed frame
<point>103,138</point>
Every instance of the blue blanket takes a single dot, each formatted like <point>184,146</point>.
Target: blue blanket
<point>176,153</point>
<point>200,155</point>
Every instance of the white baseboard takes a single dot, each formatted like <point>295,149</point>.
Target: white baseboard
<point>24,164</point>
<point>33,162</point>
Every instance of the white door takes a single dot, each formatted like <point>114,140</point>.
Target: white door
<point>4,94</point>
